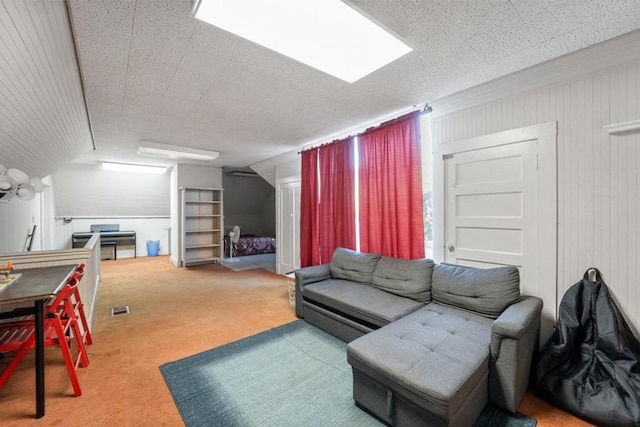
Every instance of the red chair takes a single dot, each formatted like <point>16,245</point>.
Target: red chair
<point>78,307</point>
<point>59,323</point>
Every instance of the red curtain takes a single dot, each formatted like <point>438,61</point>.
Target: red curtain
<point>337,198</point>
<point>390,187</point>
<point>327,202</point>
<point>309,231</point>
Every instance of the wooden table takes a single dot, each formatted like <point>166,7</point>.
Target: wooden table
<point>37,286</point>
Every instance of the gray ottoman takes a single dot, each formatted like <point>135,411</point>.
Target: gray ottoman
<point>428,368</point>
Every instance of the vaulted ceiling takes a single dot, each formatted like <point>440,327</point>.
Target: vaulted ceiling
<point>153,73</point>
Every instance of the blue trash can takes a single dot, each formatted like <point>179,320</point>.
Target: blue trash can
<point>153,247</point>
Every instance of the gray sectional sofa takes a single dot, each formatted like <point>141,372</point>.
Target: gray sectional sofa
<point>429,344</point>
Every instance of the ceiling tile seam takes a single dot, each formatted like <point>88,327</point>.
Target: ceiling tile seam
<point>126,78</point>
<point>166,89</point>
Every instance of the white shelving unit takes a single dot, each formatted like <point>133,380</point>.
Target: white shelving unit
<point>202,225</point>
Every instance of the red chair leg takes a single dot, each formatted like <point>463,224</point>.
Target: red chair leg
<point>63,342</point>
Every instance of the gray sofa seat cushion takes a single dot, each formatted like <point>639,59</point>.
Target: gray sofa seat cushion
<point>363,302</point>
<point>407,278</point>
<point>486,292</point>
<point>436,354</point>
<point>351,265</point>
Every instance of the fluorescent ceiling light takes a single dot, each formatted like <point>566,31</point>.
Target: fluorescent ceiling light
<point>175,151</point>
<point>324,34</point>
<point>124,167</point>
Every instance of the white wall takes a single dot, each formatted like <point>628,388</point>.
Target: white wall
<point>87,194</point>
<point>88,190</point>
<point>598,190</point>
<point>17,218</point>
<point>289,168</point>
<point>198,176</point>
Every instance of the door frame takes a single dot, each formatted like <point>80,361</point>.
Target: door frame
<point>547,233</point>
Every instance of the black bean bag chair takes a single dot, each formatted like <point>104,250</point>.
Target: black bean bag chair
<point>591,366</point>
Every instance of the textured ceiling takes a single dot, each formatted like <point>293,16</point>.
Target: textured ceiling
<point>153,73</point>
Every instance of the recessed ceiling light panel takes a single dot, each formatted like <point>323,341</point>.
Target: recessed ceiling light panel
<point>325,34</point>
<point>126,167</point>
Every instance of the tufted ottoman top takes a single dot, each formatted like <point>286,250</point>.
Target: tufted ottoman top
<point>434,356</point>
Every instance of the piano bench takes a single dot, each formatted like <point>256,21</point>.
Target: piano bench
<point>114,245</point>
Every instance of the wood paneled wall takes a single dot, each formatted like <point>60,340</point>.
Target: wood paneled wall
<point>43,119</point>
<point>598,190</point>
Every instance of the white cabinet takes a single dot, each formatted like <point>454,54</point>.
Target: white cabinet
<point>201,225</point>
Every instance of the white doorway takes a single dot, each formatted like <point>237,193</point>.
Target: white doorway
<point>496,205</point>
<point>288,224</point>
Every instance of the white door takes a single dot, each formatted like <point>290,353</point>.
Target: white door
<point>288,227</point>
<point>495,204</point>
<point>491,197</point>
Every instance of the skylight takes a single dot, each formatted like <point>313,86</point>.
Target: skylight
<point>325,34</point>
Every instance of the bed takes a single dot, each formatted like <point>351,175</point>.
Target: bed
<point>250,244</point>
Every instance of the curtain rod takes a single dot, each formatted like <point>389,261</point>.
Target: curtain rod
<point>426,109</point>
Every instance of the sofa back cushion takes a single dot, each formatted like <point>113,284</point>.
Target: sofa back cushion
<point>486,292</point>
<point>411,279</point>
<point>351,265</point>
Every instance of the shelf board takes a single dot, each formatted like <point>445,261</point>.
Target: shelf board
<point>201,226</point>
<point>208,245</point>
<point>210,202</point>
<point>196,261</point>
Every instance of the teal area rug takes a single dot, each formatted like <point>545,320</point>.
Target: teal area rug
<point>293,375</point>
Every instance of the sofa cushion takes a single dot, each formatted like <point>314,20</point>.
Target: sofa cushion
<point>351,265</point>
<point>486,292</point>
<point>362,302</point>
<point>407,278</point>
<point>436,355</point>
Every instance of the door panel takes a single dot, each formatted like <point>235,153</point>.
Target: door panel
<point>491,215</point>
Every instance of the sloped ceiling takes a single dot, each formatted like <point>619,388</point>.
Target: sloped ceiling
<point>152,73</point>
<point>43,119</point>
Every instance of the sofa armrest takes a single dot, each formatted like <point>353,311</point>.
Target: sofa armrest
<point>514,341</point>
<point>316,273</point>
<point>515,321</point>
<point>304,276</point>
